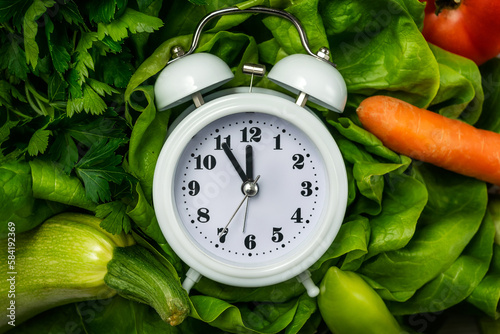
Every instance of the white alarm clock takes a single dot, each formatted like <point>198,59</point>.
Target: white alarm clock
<point>250,188</point>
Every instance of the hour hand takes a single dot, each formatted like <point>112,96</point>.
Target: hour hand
<point>235,163</point>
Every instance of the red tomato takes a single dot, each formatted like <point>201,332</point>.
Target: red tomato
<point>470,28</point>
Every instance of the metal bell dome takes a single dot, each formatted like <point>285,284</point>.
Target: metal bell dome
<point>320,80</point>
<point>197,72</point>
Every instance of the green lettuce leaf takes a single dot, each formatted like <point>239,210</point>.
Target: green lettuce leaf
<point>261,318</point>
<point>486,295</point>
<point>490,72</point>
<point>451,218</point>
<point>287,36</point>
<point>146,141</point>
<point>456,283</point>
<point>404,199</point>
<point>460,93</point>
<point>373,54</point>
<point>51,183</point>
<point>17,200</point>
<point>142,213</point>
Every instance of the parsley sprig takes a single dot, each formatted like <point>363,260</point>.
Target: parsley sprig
<point>64,66</point>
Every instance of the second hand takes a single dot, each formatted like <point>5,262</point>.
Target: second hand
<point>239,206</point>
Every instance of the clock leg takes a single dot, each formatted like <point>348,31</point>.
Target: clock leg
<point>305,278</point>
<point>192,277</point>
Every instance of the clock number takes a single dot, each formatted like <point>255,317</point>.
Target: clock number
<point>306,188</point>
<point>218,142</point>
<point>277,235</point>
<point>297,216</point>
<point>255,134</point>
<point>203,216</point>
<point>277,143</point>
<point>194,188</point>
<point>208,162</point>
<point>250,241</point>
<point>222,232</point>
<point>299,161</point>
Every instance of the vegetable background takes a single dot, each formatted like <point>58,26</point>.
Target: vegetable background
<point>79,131</point>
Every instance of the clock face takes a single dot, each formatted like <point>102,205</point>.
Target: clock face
<point>250,188</point>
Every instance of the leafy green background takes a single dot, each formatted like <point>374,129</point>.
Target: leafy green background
<point>80,132</point>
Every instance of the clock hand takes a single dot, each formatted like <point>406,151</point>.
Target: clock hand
<point>235,163</point>
<point>245,218</point>
<point>249,166</point>
<point>249,162</point>
<point>252,191</point>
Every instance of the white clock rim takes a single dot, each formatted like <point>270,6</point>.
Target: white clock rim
<point>284,267</point>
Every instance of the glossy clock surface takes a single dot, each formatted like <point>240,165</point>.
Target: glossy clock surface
<point>288,198</point>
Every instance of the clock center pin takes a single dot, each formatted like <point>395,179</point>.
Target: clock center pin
<point>250,188</point>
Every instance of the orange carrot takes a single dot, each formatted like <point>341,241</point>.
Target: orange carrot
<point>426,136</point>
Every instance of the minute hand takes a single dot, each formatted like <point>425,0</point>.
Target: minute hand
<point>235,163</point>
<point>249,161</point>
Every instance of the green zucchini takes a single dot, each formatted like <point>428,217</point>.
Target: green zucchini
<point>70,258</point>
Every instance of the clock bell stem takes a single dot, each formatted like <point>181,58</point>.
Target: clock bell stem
<point>301,99</point>
<point>197,99</point>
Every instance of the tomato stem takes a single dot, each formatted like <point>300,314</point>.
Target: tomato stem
<point>447,4</point>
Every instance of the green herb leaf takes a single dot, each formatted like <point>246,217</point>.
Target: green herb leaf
<point>92,131</point>
<point>86,132</point>
<point>5,133</point>
<point>132,21</point>
<point>58,46</point>
<point>116,69</point>
<point>109,45</point>
<point>39,142</point>
<point>92,102</point>
<point>104,10</point>
<point>114,215</point>
<point>101,88</point>
<point>13,57</point>
<point>71,13</point>
<point>74,86</point>
<point>74,106</point>
<point>7,92</point>
<point>100,166</point>
<point>5,98</point>
<point>83,59</point>
<point>30,27</point>
<point>64,151</point>
<point>14,9</point>
<point>57,87</point>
